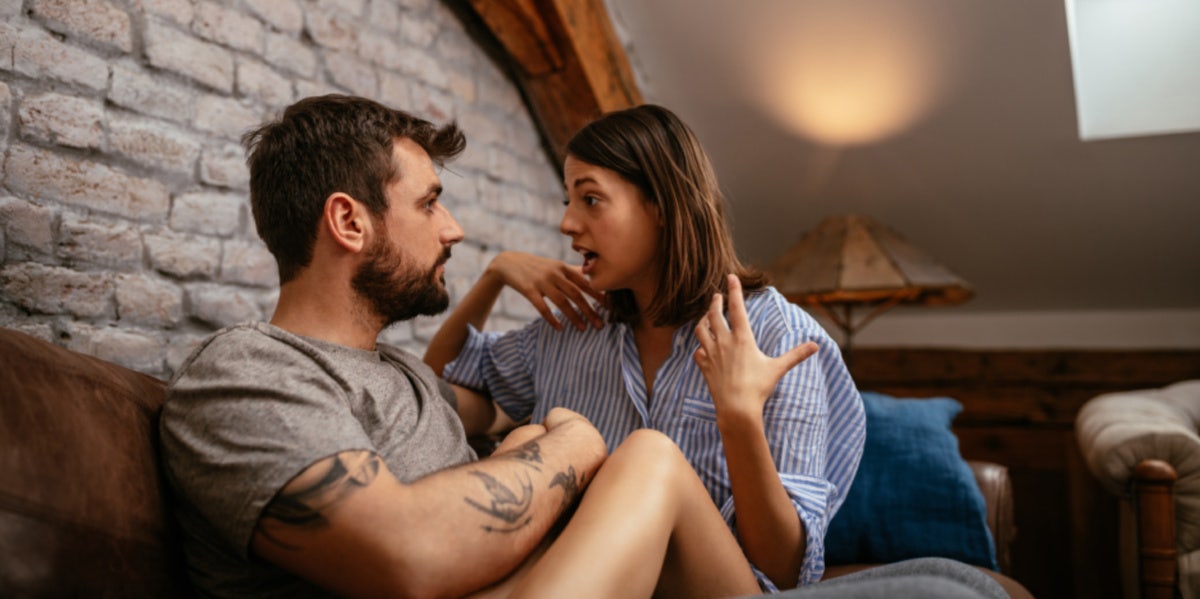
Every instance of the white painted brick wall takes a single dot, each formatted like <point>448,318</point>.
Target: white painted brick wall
<point>125,229</point>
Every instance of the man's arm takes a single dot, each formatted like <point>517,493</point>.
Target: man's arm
<point>348,525</point>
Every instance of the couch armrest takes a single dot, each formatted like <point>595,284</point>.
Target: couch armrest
<point>996,486</point>
<point>1144,446</point>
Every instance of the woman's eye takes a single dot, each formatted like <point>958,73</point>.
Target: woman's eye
<point>590,200</point>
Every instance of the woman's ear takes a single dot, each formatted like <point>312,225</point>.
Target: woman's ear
<point>347,221</point>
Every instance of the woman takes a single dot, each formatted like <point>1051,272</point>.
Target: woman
<point>774,437</point>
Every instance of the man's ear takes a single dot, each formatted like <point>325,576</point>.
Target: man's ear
<point>348,222</point>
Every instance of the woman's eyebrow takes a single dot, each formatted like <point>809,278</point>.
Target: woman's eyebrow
<point>582,180</point>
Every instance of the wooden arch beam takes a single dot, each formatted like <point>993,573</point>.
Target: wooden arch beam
<point>567,59</point>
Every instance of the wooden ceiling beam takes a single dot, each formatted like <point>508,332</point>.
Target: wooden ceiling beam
<point>567,59</point>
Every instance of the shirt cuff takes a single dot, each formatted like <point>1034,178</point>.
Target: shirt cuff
<point>467,369</point>
<point>810,495</point>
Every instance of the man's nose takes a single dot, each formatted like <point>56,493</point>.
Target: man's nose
<point>452,233</point>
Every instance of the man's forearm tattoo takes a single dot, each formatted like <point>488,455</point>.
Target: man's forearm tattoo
<point>303,505</point>
<point>570,484</point>
<point>504,505</point>
<point>529,454</point>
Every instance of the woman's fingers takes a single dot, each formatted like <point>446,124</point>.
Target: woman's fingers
<point>739,322</point>
<point>793,357</point>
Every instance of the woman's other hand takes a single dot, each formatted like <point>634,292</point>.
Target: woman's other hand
<point>740,376</point>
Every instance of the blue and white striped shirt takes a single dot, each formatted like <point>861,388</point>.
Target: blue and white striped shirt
<point>814,419</point>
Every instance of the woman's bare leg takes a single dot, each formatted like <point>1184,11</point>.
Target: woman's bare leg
<point>645,526</point>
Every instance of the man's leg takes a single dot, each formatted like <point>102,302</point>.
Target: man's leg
<point>645,524</point>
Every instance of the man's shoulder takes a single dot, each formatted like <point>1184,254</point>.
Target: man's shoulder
<point>242,348</point>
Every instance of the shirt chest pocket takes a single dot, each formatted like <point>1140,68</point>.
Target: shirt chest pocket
<point>699,437</point>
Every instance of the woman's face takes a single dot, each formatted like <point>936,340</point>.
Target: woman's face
<point>612,225</point>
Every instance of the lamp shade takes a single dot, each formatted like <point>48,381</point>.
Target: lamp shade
<point>855,260</point>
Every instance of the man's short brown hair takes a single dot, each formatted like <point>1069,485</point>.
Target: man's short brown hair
<point>320,146</point>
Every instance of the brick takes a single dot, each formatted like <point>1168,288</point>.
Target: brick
<point>433,104</point>
<point>178,11</point>
<point>249,263</point>
<point>454,47</point>
<point>331,29</point>
<point>459,189</point>
<point>308,89</point>
<point>284,15</point>
<point>225,116</point>
<point>64,120</point>
<point>351,7</point>
<point>209,213</point>
<point>44,174</point>
<point>515,305</point>
<point>417,30</point>
<point>381,50</point>
<point>479,226</point>
<point>394,91</point>
<point>89,240</point>
<point>154,144</point>
<point>502,162</point>
<point>220,305</point>
<point>93,20</point>
<point>137,90</point>
<point>171,49</point>
<point>261,82</point>
<point>384,15</point>
<point>5,109</point>
<point>227,27</point>
<point>416,5</point>
<point>290,54</point>
<point>224,166</point>
<point>474,158</point>
<point>461,86</point>
<point>28,228</point>
<point>41,330</point>
<point>134,350</point>
<point>351,73</point>
<point>179,349</point>
<point>10,8</point>
<point>55,290</point>
<point>496,91</point>
<point>482,128</point>
<point>36,54</point>
<point>425,68</point>
<point>183,256</point>
<point>398,334</point>
<point>149,301</point>
<point>424,327</point>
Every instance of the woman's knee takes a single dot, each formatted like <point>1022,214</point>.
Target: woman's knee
<point>650,450</point>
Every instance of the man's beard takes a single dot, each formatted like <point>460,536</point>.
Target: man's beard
<point>396,290</point>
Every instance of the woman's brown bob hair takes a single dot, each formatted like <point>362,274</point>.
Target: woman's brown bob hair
<point>653,149</point>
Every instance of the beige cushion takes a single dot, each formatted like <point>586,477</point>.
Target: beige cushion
<point>1118,430</point>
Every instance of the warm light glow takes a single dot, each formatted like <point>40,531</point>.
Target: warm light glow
<point>855,71</point>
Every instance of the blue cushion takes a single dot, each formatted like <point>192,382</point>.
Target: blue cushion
<point>914,495</point>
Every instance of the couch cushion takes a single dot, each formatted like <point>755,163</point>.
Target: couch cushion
<point>913,496</point>
<point>81,500</point>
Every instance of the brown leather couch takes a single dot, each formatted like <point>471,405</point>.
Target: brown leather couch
<point>82,509</point>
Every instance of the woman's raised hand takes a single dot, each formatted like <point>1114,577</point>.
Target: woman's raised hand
<point>740,376</point>
<point>540,279</point>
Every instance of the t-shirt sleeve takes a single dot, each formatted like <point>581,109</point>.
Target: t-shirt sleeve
<point>249,414</point>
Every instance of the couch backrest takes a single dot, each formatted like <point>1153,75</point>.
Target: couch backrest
<point>82,509</point>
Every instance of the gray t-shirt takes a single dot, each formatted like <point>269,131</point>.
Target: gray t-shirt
<point>254,406</point>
